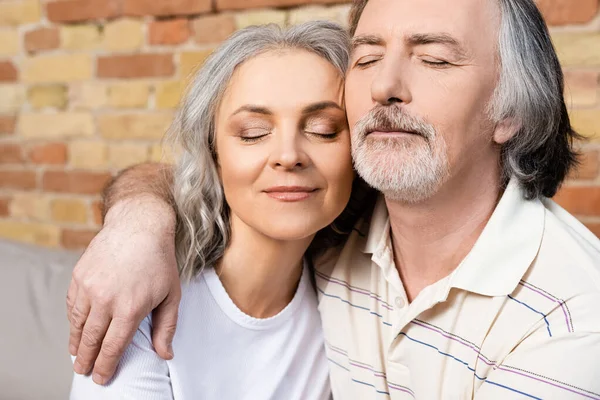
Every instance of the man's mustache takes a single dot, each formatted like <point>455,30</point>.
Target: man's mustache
<point>392,119</point>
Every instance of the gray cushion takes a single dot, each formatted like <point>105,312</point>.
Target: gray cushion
<point>34,331</point>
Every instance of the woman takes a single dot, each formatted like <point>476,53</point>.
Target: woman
<point>265,166</point>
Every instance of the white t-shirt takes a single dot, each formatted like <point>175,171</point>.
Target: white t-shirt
<point>222,353</point>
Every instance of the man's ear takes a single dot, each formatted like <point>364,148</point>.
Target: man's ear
<point>505,130</point>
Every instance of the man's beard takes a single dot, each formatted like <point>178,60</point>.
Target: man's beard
<point>408,169</point>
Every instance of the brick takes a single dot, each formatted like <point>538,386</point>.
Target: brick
<point>136,66</point>
<point>247,4</point>
<point>42,39</point>
<point>563,12</point>
<point>581,88</point>
<point>128,95</point>
<point>11,153</point>
<point>76,239</point>
<point>80,37</point>
<point>175,31</point>
<point>97,208</point>
<point>4,203</point>
<point>87,95</point>
<point>56,125</point>
<point>82,10</point>
<point>162,154</point>
<point>594,227</point>
<point>260,17</point>
<point>8,72</point>
<point>31,205</point>
<point>213,28</point>
<point>9,42</point>
<point>168,94</point>
<point>316,13</point>
<point>88,155</point>
<point>190,62</point>
<point>47,153</point>
<point>57,68</point>
<point>140,8</point>
<point>17,179</point>
<point>7,124</point>
<point>577,48</point>
<point>41,96</point>
<point>30,232</point>
<point>589,167</point>
<point>124,155</point>
<point>134,126</point>
<point>51,154</point>
<point>81,182</point>
<point>123,35</point>
<point>12,97</point>
<point>73,211</point>
<point>580,200</point>
<point>19,12</point>
<point>586,122</point>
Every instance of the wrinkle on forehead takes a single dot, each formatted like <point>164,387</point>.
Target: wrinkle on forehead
<point>475,23</point>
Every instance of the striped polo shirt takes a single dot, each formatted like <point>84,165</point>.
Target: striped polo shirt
<point>518,318</point>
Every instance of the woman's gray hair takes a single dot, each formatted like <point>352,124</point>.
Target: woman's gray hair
<point>530,94</point>
<point>203,215</point>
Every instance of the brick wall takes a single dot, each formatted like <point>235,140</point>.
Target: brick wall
<point>87,87</point>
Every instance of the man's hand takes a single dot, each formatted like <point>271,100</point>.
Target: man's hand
<point>128,270</point>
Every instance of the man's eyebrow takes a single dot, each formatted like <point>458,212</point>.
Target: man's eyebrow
<point>323,105</point>
<point>367,40</point>
<point>253,109</point>
<point>436,38</point>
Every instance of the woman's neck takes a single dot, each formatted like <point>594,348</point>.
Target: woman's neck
<point>259,273</point>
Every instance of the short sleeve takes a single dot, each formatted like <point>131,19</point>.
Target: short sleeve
<point>141,374</point>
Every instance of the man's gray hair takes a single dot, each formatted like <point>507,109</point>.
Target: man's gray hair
<point>530,94</point>
<point>203,215</point>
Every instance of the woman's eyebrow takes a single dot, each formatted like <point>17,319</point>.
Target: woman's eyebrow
<point>253,109</point>
<point>322,105</point>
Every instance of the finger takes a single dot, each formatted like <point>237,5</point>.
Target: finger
<point>164,323</point>
<point>120,333</point>
<point>71,296</point>
<point>77,318</point>
<point>91,339</point>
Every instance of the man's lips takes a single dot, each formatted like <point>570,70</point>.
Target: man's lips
<point>388,133</point>
<point>290,193</point>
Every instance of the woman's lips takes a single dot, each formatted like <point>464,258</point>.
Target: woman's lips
<point>290,193</point>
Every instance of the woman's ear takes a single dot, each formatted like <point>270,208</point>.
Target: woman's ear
<point>505,130</point>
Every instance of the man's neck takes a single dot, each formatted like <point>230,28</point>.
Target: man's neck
<point>431,238</point>
<point>260,274</point>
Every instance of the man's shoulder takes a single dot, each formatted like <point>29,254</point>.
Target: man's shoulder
<point>567,268</point>
<point>568,249</point>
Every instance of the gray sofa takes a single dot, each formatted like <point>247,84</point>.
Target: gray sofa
<point>34,331</point>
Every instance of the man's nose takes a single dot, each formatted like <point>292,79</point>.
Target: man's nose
<point>389,86</point>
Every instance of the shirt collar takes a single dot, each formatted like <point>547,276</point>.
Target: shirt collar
<point>501,255</point>
<point>506,248</point>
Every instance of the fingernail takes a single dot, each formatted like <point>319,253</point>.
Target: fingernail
<point>170,351</point>
<point>73,350</point>
<point>98,379</point>
<point>78,368</point>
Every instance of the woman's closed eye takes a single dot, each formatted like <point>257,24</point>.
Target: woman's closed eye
<point>253,134</point>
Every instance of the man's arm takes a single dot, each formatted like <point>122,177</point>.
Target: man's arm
<point>128,270</point>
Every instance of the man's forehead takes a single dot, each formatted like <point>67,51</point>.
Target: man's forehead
<point>457,18</point>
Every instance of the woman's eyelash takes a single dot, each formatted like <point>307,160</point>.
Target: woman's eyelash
<point>250,139</point>
<point>331,135</point>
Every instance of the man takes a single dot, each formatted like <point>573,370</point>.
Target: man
<point>466,280</point>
